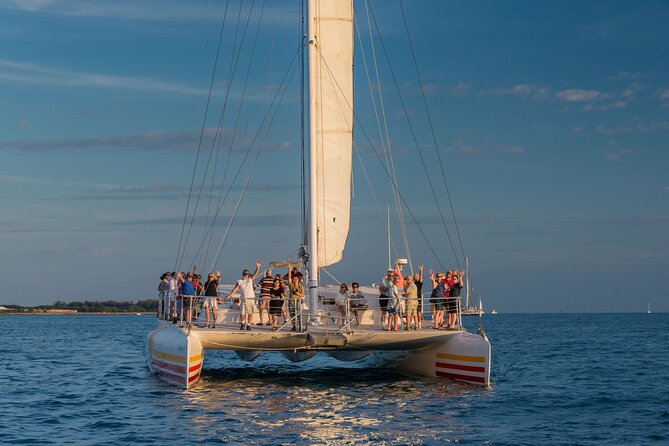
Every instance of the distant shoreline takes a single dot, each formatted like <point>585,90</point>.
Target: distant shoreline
<point>118,313</point>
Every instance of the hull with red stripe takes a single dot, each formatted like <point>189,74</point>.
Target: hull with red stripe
<point>464,357</point>
<point>174,356</point>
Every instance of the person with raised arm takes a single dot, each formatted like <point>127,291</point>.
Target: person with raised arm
<point>248,296</point>
<point>438,298</point>
<point>418,280</point>
<point>411,294</point>
<point>295,300</point>
<point>265,285</point>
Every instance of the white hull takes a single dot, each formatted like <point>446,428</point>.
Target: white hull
<point>176,354</point>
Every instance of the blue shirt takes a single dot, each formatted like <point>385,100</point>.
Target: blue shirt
<point>187,288</point>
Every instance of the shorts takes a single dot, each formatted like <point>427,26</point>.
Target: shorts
<point>250,306</point>
<point>412,309</point>
<point>383,302</point>
<point>392,310</point>
<point>451,306</point>
<point>438,303</point>
<point>210,302</point>
<point>264,301</point>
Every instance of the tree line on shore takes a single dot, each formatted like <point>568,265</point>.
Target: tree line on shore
<point>108,306</point>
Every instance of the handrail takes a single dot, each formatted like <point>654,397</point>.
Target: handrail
<point>173,306</point>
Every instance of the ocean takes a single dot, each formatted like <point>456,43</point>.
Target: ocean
<point>558,379</point>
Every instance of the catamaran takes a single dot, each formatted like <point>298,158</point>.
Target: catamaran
<point>176,351</point>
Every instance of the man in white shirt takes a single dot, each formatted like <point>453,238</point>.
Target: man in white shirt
<point>248,296</point>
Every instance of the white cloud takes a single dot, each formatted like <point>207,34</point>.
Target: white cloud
<point>164,10</point>
<point>526,91</point>
<point>460,89</point>
<point>468,150</point>
<point>663,93</point>
<point>578,95</point>
<point>605,130</point>
<point>28,73</point>
<point>629,75</point>
<point>181,141</point>
<point>615,156</point>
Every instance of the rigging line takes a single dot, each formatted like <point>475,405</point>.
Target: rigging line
<point>369,140</point>
<point>199,144</point>
<point>413,134</point>
<point>371,188</point>
<point>289,71</point>
<point>260,149</point>
<point>378,124</point>
<point>218,133</point>
<point>303,173</point>
<point>244,88</point>
<point>398,205</point>
<point>234,62</point>
<point>234,212</point>
<point>434,138</point>
<point>329,274</point>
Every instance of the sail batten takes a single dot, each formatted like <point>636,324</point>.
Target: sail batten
<point>331,124</point>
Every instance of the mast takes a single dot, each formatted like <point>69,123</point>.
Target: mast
<point>313,188</point>
<point>330,59</point>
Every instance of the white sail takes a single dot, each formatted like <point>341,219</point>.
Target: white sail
<point>331,122</point>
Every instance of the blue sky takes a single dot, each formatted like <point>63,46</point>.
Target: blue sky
<point>552,119</point>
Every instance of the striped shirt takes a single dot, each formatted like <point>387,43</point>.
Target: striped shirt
<point>265,285</point>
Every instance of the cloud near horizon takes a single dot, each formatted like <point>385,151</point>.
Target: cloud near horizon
<point>183,141</point>
<point>525,91</point>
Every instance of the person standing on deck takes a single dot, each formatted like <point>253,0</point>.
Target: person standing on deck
<point>438,298</point>
<point>455,284</point>
<point>385,284</point>
<point>296,298</point>
<point>412,302</point>
<point>187,293</point>
<point>174,290</point>
<point>418,280</point>
<point>164,290</point>
<point>265,285</point>
<point>211,298</point>
<point>393,307</point>
<point>248,296</point>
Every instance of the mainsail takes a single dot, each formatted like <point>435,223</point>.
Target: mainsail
<point>331,122</point>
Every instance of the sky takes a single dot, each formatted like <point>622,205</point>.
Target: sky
<point>551,120</point>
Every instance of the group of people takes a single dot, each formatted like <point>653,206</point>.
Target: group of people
<point>400,299</point>
<point>275,292</point>
<point>282,296</point>
<point>177,291</point>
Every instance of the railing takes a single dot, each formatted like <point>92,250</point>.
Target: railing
<point>178,308</point>
<point>183,310</point>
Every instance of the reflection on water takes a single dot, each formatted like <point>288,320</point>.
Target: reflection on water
<point>331,405</point>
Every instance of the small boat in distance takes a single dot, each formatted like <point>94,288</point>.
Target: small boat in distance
<point>467,309</point>
<point>648,311</point>
<point>493,312</point>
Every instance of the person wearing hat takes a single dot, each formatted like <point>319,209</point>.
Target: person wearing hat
<point>384,286</point>
<point>248,296</point>
<point>163,290</point>
<point>187,293</point>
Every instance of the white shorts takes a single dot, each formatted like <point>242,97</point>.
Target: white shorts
<point>210,302</point>
<point>250,305</point>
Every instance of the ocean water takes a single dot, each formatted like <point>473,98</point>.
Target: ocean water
<point>558,379</point>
